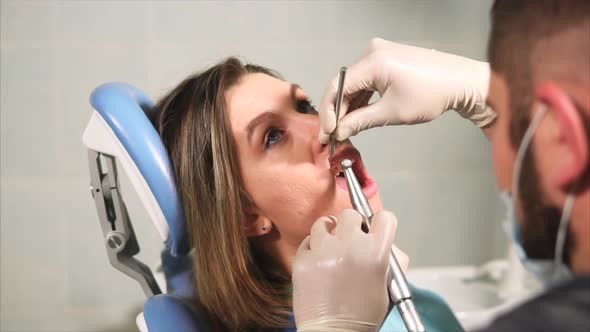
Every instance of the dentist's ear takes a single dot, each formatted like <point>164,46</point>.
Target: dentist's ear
<point>572,134</point>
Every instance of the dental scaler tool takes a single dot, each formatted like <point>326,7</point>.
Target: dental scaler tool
<point>399,291</point>
<point>339,96</point>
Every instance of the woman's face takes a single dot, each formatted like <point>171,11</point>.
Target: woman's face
<point>285,170</point>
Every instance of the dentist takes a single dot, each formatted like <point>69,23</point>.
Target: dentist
<point>533,102</point>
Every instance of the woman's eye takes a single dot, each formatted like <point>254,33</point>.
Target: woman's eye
<point>273,136</point>
<point>305,107</point>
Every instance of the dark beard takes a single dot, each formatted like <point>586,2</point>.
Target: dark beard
<point>540,219</point>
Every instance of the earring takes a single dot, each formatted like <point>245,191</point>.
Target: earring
<point>264,228</point>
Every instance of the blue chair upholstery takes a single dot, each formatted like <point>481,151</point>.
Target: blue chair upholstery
<point>164,313</point>
<point>128,112</point>
<point>175,311</point>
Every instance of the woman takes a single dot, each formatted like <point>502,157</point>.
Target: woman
<point>252,178</point>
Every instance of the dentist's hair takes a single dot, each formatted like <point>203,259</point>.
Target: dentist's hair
<point>533,39</point>
<point>237,286</point>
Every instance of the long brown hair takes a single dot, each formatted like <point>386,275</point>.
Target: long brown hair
<point>238,287</point>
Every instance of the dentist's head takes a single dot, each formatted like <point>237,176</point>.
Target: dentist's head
<point>540,89</point>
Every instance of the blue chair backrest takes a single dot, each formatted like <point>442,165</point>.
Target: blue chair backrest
<point>128,112</point>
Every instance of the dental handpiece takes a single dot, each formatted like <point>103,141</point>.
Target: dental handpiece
<point>399,291</point>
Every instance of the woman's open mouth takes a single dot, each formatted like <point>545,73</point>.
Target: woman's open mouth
<point>368,184</point>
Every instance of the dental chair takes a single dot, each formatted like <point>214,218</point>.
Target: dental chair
<point>121,129</point>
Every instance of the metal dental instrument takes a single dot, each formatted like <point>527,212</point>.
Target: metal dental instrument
<point>399,291</point>
<point>339,96</point>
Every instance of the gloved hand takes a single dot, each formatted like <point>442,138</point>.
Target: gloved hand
<point>415,84</point>
<point>340,274</point>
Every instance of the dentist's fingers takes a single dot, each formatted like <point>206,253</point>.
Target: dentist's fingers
<point>361,119</point>
<point>320,229</point>
<point>359,78</point>
<point>334,223</point>
<point>302,256</point>
<point>360,99</point>
<point>383,228</point>
<point>402,258</point>
<point>304,246</point>
<point>327,115</point>
<point>349,222</point>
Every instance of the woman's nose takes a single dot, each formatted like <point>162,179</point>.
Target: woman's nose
<point>309,130</point>
<point>316,147</point>
<point>320,148</point>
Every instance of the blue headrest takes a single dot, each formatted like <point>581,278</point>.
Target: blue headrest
<point>128,112</point>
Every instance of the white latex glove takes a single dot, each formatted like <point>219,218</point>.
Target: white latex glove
<point>340,274</point>
<point>415,84</point>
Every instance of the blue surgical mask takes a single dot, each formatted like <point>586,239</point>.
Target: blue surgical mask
<point>548,271</point>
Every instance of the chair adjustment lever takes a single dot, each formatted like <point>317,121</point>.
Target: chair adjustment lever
<point>119,236</point>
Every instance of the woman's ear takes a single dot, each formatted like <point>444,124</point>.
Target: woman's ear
<point>256,224</point>
<point>571,136</point>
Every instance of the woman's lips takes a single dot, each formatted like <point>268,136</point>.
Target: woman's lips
<point>368,184</point>
<point>370,188</point>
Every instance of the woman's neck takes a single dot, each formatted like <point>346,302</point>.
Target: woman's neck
<point>280,251</point>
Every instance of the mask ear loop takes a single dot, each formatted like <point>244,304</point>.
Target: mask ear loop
<point>524,144</point>
<point>562,231</point>
<point>569,202</point>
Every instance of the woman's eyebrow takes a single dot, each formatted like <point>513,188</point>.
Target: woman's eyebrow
<point>268,116</point>
<point>262,118</point>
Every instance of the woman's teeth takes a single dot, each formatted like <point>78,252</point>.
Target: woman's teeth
<point>335,171</point>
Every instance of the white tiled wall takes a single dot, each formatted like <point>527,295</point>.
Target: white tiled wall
<point>54,271</point>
